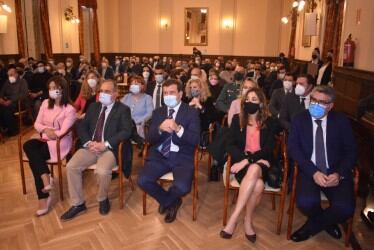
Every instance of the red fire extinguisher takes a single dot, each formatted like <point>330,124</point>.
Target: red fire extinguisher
<point>349,52</point>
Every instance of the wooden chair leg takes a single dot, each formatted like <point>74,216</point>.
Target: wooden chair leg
<point>52,172</point>
<point>60,181</point>
<point>121,188</point>
<point>144,203</point>
<point>23,177</point>
<point>348,233</point>
<point>131,184</point>
<point>194,201</point>
<point>292,205</point>
<point>273,201</point>
<point>282,201</point>
<point>225,205</point>
<point>209,165</point>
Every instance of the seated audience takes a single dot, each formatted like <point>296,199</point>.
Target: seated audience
<point>228,73</point>
<point>140,104</point>
<point>154,89</point>
<point>321,141</point>
<point>215,84</point>
<point>173,135</point>
<point>295,103</point>
<point>324,73</point>
<point>107,123</point>
<point>55,117</point>
<point>235,105</point>
<point>277,98</point>
<point>251,142</point>
<point>278,83</point>
<point>118,67</point>
<point>148,75</point>
<point>105,70</point>
<point>70,67</point>
<point>13,90</point>
<point>89,93</point>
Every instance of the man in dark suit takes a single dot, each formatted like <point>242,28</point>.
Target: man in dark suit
<point>106,70</point>
<point>173,134</point>
<point>278,95</point>
<point>154,88</point>
<point>118,67</point>
<point>321,141</point>
<point>106,124</point>
<point>297,102</point>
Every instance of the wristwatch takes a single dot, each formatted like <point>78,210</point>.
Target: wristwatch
<point>179,128</point>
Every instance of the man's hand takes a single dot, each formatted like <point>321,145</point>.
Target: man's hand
<point>97,147</point>
<point>333,180</point>
<point>264,162</point>
<point>50,133</point>
<point>320,179</point>
<point>195,102</point>
<point>239,166</point>
<point>167,125</point>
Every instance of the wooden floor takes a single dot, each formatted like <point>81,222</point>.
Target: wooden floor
<point>128,228</point>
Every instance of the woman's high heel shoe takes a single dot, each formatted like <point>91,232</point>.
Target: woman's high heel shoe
<point>49,187</point>
<point>251,237</point>
<point>225,235</point>
<point>42,212</point>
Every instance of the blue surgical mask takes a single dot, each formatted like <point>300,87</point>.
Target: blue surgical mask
<point>316,110</point>
<point>134,88</point>
<point>195,93</point>
<point>105,99</point>
<point>170,101</point>
<point>159,78</point>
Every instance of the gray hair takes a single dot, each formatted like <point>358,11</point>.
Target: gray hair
<point>327,90</point>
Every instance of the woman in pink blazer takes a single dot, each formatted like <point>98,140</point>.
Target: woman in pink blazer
<point>55,117</point>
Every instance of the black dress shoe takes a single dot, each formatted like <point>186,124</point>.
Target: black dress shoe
<point>251,237</point>
<point>301,234</point>
<point>104,207</point>
<point>162,209</point>
<point>114,175</point>
<point>171,212</point>
<point>334,231</point>
<point>73,212</point>
<point>225,235</point>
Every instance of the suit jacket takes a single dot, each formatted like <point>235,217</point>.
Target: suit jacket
<point>291,107</point>
<point>151,88</point>
<point>121,68</point>
<point>340,144</point>
<point>326,77</point>
<point>236,140</point>
<point>109,73</point>
<point>276,101</point>
<point>188,118</point>
<point>118,125</point>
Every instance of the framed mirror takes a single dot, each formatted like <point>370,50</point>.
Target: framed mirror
<point>196,26</point>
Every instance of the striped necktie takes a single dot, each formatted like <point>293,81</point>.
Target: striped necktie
<point>165,146</point>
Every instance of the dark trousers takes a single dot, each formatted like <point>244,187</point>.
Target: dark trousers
<point>38,153</point>
<point>155,167</point>
<point>7,118</point>
<point>308,199</point>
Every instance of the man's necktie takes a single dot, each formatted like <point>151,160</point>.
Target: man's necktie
<point>165,146</point>
<point>158,96</point>
<point>100,126</point>
<point>302,101</point>
<point>320,148</point>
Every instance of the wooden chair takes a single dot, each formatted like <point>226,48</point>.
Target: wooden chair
<point>291,209</point>
<point>230,183</point>
<point>21,112</point>
<point>167,178</point>
<point>118,169</point>
<point>60,161</point>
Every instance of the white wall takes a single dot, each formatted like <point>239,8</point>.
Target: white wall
<point>8,41</point>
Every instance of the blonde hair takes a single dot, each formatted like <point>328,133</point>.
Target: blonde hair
<point>204,89</point>
<point>242,85</point>
<point>86,89</point>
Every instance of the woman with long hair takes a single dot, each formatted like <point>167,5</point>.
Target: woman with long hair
<point>89,92</point>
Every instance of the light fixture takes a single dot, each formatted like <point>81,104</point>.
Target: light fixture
<point>4,6</point>
<point>204,11</point>
<point>164,23</point>
<point>301,5</point>
<point>3,24</point>
<point>295,4</point>
<point>228,23</point>
<point>284,20</point>
<point>69,15</point>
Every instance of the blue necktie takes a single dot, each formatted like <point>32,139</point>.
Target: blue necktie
<point>165,146</point>
<point>320,149</point>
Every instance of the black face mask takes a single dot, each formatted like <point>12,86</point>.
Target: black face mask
<point>314,57</point>
<point>238,76</point>
<point>251,108</point>
<point>183,79</point>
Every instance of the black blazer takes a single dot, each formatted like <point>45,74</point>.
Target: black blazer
<point>326,77</point>
<point>291,107</point>
<point>109,73</point>
<point>236,141</point>
<point>151,88</point>
<point>276,101</point>
<point>188,118</point>
<point>117,128</point>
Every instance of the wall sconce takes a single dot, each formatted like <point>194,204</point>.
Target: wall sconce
<point>164,23</point>
<point>227,23</point>
<point>3,24</point>
<point>69,15</point>
<point>4,6</point>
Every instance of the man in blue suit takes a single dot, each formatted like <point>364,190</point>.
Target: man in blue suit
<point>173,134</point>
<point>321,141</point>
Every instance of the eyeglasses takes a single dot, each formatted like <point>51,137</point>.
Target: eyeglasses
<point>315,101</point>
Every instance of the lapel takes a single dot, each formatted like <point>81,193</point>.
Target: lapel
<point>329,134</point>
<point>96,114</point>
<point>181,113</point>
<point>110,116</point>
<point>308,129</point>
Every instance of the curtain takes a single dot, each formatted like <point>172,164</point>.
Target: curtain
<point>20,32</point>
<point>46,32</point>
<point>291,51</point>
<point>80,28</point>
<point>96,39</point>
<point>333,29</point>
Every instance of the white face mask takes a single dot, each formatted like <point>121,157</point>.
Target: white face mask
<point>287,85</point>
<point>159,78</point>
<point>54,94</point>
<point>61,71</point>
<point>299,90</point>
<point>135,89</point>
<point>146,74</point>
<point>104,65</point>
<point>92,83</point>
<point>170,101</point>
<point>281,76</point>
<point>12,79</point>
<point>68,64</point>
<point>105,99</point>
<point>194,77</point>
<point>41,69</point>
